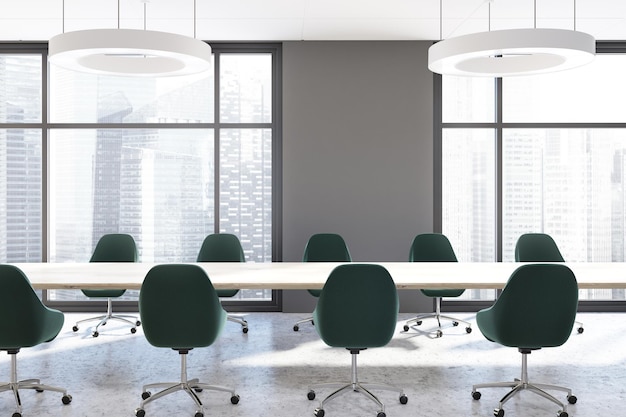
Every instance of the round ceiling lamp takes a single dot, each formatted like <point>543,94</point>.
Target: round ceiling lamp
<point>130,52</point>
<point>511,52</point>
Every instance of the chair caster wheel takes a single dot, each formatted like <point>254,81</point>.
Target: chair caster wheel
<point>406,328</point>
<point>498,412</point>
<point>16,414</point>
<point>319,412</point>
<point>234,399</point>
<point>66,399</point>
<point>381,414</point>
<point>439,333</point>
<point>562,414</point>
<point>145,395</point>
<point>133,330</point>
<point>468,330</point>
<point>296,328</point>
<point>245,330</point>
<point>455,323</point>
<point>311,395</point>
<point>199,414</point>
<point>404,399</point>
<point>476,395</point>
<point>75,328</point>
<point>138,323</point>
<point>418,323</point>
<point>140,412</point>
<point>580,330</point>
<point>95,334</point>
<point>572,399</point>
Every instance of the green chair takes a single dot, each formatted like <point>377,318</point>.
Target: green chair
<point>24,322</point>
<point>435,247</point>
<point>180,310</point>
<point>535,310</point>
<point>357,309</point>
<point>540,247</point>
<point>114,247</point>
<point>323,247</point>
<point>224,247</point>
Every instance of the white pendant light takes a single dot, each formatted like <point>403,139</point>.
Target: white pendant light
<point>512,52</point>
<point>129,52</point>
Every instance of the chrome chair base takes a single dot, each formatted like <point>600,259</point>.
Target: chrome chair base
<point>519,385</point>
<point>191,387</point>
<point>437,315</point>
<point>128,319</point>
<point>15,385</point>
<point>354,385</point>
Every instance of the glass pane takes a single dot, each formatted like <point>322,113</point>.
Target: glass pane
<point>20,83</point>
<point>246,189</point>
<point>246,195</point>
<point>156,185</point>
<point>571,184</point>
<point>593,93</point>
<point>246,88</point>
<point>468,189</point>
<point>20,195</point>
<point>468,99</point>
<point>77,97</point>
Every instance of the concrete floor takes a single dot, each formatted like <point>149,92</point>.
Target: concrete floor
<point>272,366</point>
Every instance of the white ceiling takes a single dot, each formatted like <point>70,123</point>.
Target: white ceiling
<point>283,20</point>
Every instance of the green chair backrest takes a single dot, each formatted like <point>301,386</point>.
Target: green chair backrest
<point>536,309</point>
<point>537,247</point>
<point>24,320</point>
<point>326,247</point>
<point>434,247</point>
<point>358,307</point>
<point>115,247</point>
<point>221,247</point>
<point>431,247</point>
<point>179,308</point>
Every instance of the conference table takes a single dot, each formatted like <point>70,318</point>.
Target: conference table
<point>310,275</point>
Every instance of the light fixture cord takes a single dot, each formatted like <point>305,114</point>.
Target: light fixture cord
<point>118,14</point>
<point>535,14</point>
<point>574,14</point>
<point>63,16</point>
<point>440,20</point>
<point>194,19</point>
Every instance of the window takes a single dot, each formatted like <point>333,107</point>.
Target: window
<point>551,160</point>
<point>167,160</point>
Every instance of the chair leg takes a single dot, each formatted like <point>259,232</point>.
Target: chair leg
<point>519,385</point>
<point>356,386</point>
<point>240,320</point>
<point>437,315</point>
<point>579,326</point>
<point>14,385</point>
<point>191,387</point>
<point>102,320</point>
<point>296,326</point>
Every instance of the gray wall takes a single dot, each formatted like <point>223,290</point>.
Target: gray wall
<point>357,151</point>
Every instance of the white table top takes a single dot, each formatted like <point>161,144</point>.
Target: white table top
<point>300,275</point>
